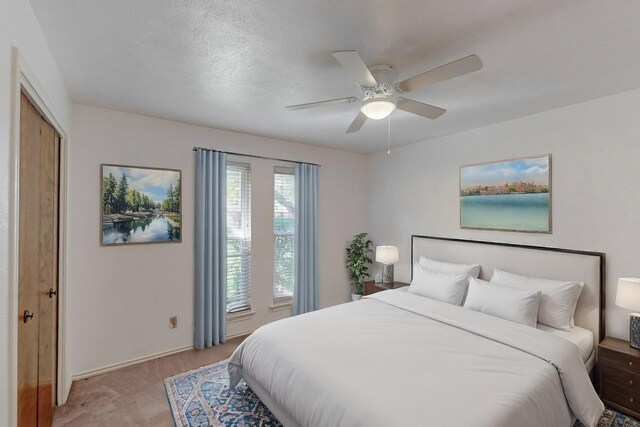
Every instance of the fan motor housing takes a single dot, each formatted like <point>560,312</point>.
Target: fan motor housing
<point>385,76</point>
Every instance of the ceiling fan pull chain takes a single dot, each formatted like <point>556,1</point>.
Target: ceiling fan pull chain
<point>389,136</point>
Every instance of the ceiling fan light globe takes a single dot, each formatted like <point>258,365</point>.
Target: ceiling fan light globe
<point>377,110</point>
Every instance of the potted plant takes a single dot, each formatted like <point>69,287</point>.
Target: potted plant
<point>358,260</point>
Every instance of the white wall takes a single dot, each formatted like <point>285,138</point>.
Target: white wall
<point>595,148</point>
<point>120,298</point>
<point>19,28</point>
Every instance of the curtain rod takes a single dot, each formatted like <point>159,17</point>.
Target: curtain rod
<point>255,156</point>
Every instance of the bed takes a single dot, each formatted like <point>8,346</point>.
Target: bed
<point>398,359</point>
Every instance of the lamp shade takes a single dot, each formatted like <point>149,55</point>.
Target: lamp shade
<point>628,295</point>
<point>377,110</point>
<point>387,254</point>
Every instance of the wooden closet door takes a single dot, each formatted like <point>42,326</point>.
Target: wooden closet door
<point>38,268</point>
<point>28,299</point>
<point>47,275</point>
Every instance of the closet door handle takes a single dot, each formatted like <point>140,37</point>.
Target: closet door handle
<point>52,293</point>
<point>27,316</point>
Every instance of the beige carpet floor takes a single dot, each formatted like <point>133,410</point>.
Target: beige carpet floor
<point>133,396</point>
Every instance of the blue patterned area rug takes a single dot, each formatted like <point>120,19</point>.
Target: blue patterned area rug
<point>201,398</point>
<point>611,418</point>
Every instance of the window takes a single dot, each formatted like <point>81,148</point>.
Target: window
<point>284,217</point>
<point>238,237</point>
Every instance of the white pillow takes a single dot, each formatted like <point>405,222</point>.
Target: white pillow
<point>573,309</point>
<point>448,267</point>
<point>557,303</point>
<point>445,287</point>
<point>516,305</point>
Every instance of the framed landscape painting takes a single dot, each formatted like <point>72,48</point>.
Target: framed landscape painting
<point>140,205</point>
<point>508,195</point>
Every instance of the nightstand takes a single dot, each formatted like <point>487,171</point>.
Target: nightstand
<point>619,376</point>
<point>371,287</point>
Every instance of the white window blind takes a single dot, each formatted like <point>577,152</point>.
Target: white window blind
<point>238,237</point>
<point>284,216</point>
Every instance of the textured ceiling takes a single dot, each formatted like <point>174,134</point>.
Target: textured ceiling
<point>236,64</point>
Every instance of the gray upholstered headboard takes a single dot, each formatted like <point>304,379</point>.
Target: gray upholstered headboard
<point>536,261</point>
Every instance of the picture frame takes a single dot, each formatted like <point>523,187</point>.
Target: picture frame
<point>140,205</point>
<point>507,195</point>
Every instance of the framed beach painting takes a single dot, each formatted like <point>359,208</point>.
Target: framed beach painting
<point>507,195</point>
<point>140,205</point>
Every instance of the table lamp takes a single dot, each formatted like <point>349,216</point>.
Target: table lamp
<point>628,296</point>
<point>387,255</point>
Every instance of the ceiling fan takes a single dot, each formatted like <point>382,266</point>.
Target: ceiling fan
<point>380,96</point>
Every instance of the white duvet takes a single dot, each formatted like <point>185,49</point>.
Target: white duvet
<point>398,359</point>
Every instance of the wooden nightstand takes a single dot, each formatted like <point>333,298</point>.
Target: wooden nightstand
<point>619,376</point>
<point>371,287</point>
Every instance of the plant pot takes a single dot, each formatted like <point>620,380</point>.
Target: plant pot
<point>355,297</point>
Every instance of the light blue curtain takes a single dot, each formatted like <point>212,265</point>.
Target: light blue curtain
<point>211,249</point>
<point>305,288</point>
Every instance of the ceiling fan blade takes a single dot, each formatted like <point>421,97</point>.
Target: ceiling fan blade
<point>448,71</point>
<point>357,123</point>
<point>349,100</point>
<point>355,66</point>
<point>419,108</point>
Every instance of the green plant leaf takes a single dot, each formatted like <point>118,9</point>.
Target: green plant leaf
<point>358,260</point>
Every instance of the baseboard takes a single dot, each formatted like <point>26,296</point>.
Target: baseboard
<point>109,368</point>
<point>131,362</point>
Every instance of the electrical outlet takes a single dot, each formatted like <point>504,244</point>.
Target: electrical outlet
<point>173,322</point>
